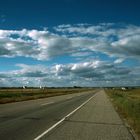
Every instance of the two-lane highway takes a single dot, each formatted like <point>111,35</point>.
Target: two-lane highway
<point>26,120</point>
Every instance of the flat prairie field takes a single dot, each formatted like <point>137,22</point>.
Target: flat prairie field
<point>17,94</point>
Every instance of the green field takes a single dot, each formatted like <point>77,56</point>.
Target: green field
<point>127,104</point>
<point>14,95</point>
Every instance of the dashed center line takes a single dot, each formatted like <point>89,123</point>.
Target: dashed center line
<point>47,103</point>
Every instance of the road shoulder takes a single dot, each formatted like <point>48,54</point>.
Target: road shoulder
<point>96,120</point>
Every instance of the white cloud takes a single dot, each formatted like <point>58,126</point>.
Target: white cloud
<point>118,61</point>
<point>121,42</point>
<point>103,29</point>
<point>83,42</point>
<point>128,47</point>
<point>94,73</point>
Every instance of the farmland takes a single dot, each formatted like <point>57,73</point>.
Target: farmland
<point>18,94</point>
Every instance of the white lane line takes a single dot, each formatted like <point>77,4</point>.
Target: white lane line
<point>47,103</point>
<point>56,124</point>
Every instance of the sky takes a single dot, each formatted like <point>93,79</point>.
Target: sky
<point>65,43</point>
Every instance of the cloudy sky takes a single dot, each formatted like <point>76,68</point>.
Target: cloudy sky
<point>70,43</point>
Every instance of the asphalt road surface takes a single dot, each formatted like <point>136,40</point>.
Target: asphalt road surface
<point>26,120</point>
<point>82,116</point>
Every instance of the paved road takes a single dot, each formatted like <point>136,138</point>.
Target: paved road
<point>95,120</point>
<point>26,120</point>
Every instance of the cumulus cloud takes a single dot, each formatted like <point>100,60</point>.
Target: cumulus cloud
<point>73,40</point>
<point>93,73</point>
<point>130,46</point>
<point>85,43</point>
<point>111,39</point>
<point>120,60</point>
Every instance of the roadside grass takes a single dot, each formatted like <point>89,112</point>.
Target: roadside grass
<point>15,95</point>
<point>127,104</point>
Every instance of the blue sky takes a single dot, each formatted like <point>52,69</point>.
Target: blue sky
<point>69,42</point>
<point>32,14</point>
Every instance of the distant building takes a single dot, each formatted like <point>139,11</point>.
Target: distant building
<point>24,87</point>
<point>124,88</point>
<point>41,87</point>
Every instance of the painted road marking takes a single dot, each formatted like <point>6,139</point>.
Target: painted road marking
<point>47,103</point>
<point>56,124</point>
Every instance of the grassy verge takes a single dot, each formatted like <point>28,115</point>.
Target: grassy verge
<point>128,105</point>
<point>15,95</point>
